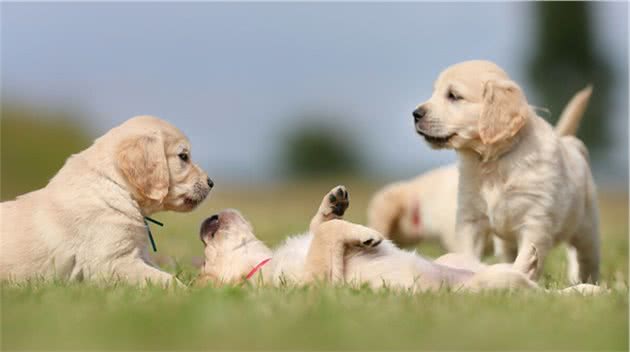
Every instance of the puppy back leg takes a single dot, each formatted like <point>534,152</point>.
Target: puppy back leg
<point>585,257</point>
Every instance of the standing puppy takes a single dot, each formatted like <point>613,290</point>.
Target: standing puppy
<point>88,222</point>
<point>424,208</point>
<point>529,185</point>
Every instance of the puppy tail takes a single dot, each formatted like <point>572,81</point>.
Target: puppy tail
<point>569,120</point>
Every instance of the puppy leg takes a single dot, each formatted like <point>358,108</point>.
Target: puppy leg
<point>139,272</point>
<point>505,250</point>
<point>325,258</point>
<point>532,253</point>
<point>333,206</point>
<point>499,276</point>
<point>474,235</point>
<point>584,258</point>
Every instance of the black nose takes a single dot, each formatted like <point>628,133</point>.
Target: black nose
<point>419,113</point>
<point>209,227</point>
<point>210,183</point>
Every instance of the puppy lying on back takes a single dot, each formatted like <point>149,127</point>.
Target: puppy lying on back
<point>518,178</point>
<point>88,222</point>
<point>424,208</point>
<point>339,252</point>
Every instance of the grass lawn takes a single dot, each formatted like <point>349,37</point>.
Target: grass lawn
<point>82,316</point>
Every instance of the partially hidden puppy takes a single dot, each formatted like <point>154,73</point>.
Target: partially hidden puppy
<point>88,222</point>
<point>339,252</point>
<point>424,208</point>
<point>519,179</point>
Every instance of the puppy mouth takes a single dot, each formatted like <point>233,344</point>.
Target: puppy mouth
<point>436,139</point>
<point>192,203</point>
<point>198,196</point>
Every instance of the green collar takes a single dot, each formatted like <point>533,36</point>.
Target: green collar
<point>149,230</point>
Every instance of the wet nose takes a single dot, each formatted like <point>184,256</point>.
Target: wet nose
<point>210,183</point>
<point>419,113</point>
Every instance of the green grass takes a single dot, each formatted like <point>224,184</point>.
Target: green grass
<point>83,316</point>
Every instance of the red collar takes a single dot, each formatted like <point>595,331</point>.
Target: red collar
<point>256,268</point>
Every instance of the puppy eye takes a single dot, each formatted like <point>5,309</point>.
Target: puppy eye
<point>183,156</point>
<point>452,96</point>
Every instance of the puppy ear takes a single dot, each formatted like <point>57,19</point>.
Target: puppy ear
<point>205,237</point>
<point>504,111</point>
<point>142,160</point>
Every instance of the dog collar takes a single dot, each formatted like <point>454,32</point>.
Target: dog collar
<point>146,224</point>
<point>256,268</point>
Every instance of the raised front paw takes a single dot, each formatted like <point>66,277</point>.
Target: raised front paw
<point>337,201</point>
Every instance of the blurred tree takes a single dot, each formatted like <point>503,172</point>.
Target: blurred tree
<point>33,146</point>
<point>316,149</point>
<point>565,59</point>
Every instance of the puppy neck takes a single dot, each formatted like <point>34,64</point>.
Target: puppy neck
<point>488,153</point>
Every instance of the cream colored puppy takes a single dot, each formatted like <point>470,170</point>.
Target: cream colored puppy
<point>519,179</point>
<point>420,209</point>
<point>338,251</point>
<point>88,222</point>
<point>424,208</point>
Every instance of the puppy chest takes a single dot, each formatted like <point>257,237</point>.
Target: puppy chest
<point>502,210</point>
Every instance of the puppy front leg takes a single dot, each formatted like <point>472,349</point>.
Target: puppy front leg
<point>325,258</point>
<point>139,272</point>
<point>533,249</point>
<point>474,236</point>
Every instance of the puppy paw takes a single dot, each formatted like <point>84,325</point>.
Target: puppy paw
<point>336,202</point>
<point>368,239</point>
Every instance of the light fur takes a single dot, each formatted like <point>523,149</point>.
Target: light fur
<point>519,179</point>
<point>340,252</point>
<point>424,208</point>
<point>87,223</point>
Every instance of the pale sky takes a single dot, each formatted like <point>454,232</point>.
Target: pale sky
<point>234,76</point>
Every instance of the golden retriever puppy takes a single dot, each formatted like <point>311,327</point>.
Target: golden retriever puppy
<point>519,179</point>
<point>424,208</point>
<point>420,209</point>
<point>88,222</point>
<point>337,251</point>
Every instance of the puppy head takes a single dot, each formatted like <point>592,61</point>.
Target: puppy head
<point>155,159</point>
<point>231,248</point>
<point>473,104</point>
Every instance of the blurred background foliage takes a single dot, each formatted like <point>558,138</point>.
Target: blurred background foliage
<point>344,142</point>
<point>318,149</point>
<point>34,144</point>
<point>565,55</point>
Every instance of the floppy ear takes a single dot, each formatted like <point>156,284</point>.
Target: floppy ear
<point>504,111</point>
<point>141,159</point>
